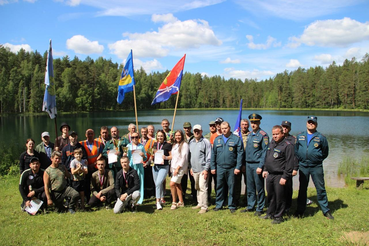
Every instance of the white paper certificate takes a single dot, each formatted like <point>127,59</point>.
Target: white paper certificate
<point>35,206</point>
<point>136,156</point>
<point>112,156</point>
<point>159,157</point>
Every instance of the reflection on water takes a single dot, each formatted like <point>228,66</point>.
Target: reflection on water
<point>346,132</point>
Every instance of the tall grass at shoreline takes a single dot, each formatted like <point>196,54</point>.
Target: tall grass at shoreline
<point>350,167</point>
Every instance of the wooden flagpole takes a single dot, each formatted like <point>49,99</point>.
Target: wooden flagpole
<point>56,133</point>
<point>175,110</point>
<point>134,97</point>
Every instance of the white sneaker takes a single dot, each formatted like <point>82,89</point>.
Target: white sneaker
<point>158,206</point>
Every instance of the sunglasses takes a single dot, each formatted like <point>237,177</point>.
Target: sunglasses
<point>134,137</point>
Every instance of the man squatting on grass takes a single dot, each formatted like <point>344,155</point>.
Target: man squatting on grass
<point>127,187</point>
<point>54,179</point>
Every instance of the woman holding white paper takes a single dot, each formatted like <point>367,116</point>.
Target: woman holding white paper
<point>162,152</point>
<point>137,156</point>
<point>178,168</point>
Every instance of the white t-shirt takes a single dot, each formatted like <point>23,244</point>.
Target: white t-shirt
<point>74,164</point>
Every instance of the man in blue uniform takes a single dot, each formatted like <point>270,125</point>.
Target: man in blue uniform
<point>311,149</point>
<point>226,162</point>
<point>256,147</point>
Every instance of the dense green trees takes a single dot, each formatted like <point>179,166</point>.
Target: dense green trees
<point>91,85</point>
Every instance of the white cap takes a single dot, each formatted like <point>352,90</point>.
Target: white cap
<point>45,134</point>
<point>197,127</point>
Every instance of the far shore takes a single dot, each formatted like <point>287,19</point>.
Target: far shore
<point>201,109</point>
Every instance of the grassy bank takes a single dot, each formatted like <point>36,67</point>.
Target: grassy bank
<point>184,226</point>
<point>351,167</point>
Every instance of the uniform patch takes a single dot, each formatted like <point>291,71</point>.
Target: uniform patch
<point>266,140</point>
<point>230,148</point>
<point>30,177</point>
<point>256,145</point>
<point>302,138</point>
<point>277,150</point>
<point>275,155</point>
<point>316,145</point>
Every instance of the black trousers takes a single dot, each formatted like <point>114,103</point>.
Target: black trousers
<point>110,197</point>
<point>276,195</point>
<point>184,182</point>
<point>149,185</point>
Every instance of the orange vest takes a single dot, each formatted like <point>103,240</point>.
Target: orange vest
<point>149,144</point>
<point>92,154</point>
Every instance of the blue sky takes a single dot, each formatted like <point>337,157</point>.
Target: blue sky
<point>254,39</point>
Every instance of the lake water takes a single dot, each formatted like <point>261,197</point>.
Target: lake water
<point>346,132</point>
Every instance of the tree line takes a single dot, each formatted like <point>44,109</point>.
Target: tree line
<point>91,85</point>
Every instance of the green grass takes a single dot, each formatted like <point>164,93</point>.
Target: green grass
<point>183,226</point>
<point>350,167</point>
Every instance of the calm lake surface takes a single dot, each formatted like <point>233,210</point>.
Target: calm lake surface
<point>346,132</point>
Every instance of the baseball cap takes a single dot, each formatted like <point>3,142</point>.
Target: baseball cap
<point>197,127</point>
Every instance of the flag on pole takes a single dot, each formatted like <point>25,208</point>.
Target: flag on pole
<point>237,127</point>
<point>49,103</point>
<point>171,83</point>
<point>127,80</point>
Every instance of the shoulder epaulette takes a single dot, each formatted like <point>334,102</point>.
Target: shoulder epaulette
<point>263,133</point>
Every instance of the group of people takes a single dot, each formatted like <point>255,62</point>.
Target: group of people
<point>120,172</point>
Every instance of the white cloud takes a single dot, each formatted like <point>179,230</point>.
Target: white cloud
<point>293,63</point>
<point>59,53</point>
<point>324,58</point>
<point>146,7</point>
<point>16,47</point>
<point>30,1</point>
<point>337,33</point>
<point>203,74</point>
<point>3,2</point>
<point>174,35</point>
<point>71,2</point>
<point>82,45</point>
<point>353,52</point>
<point>295,10</point>
<point>141,48</point>
<point>148,66</point>
<point>167,18</point>
<point>229,60</point>
<point>270,42</point>
<point>246,74</point>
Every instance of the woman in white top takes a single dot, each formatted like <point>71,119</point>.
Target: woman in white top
<point>179,167</point>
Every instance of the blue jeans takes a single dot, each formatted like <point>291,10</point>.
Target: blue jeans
<point>159,173</point>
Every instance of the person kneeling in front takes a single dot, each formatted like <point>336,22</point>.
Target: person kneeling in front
<point>127,187</point>
<point>102,186</point>
<point>55,180</point>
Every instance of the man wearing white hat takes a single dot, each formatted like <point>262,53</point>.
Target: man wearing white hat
<point>199,164</point>
<point>45,148</point>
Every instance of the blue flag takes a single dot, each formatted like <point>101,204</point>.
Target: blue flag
<point>237,127</point>
<point>49,103</point>
<point>171,83</point>
<point>127,80</point>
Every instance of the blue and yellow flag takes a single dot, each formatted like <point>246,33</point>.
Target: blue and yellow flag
<point>127,80</point>
<point>49,103</point>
